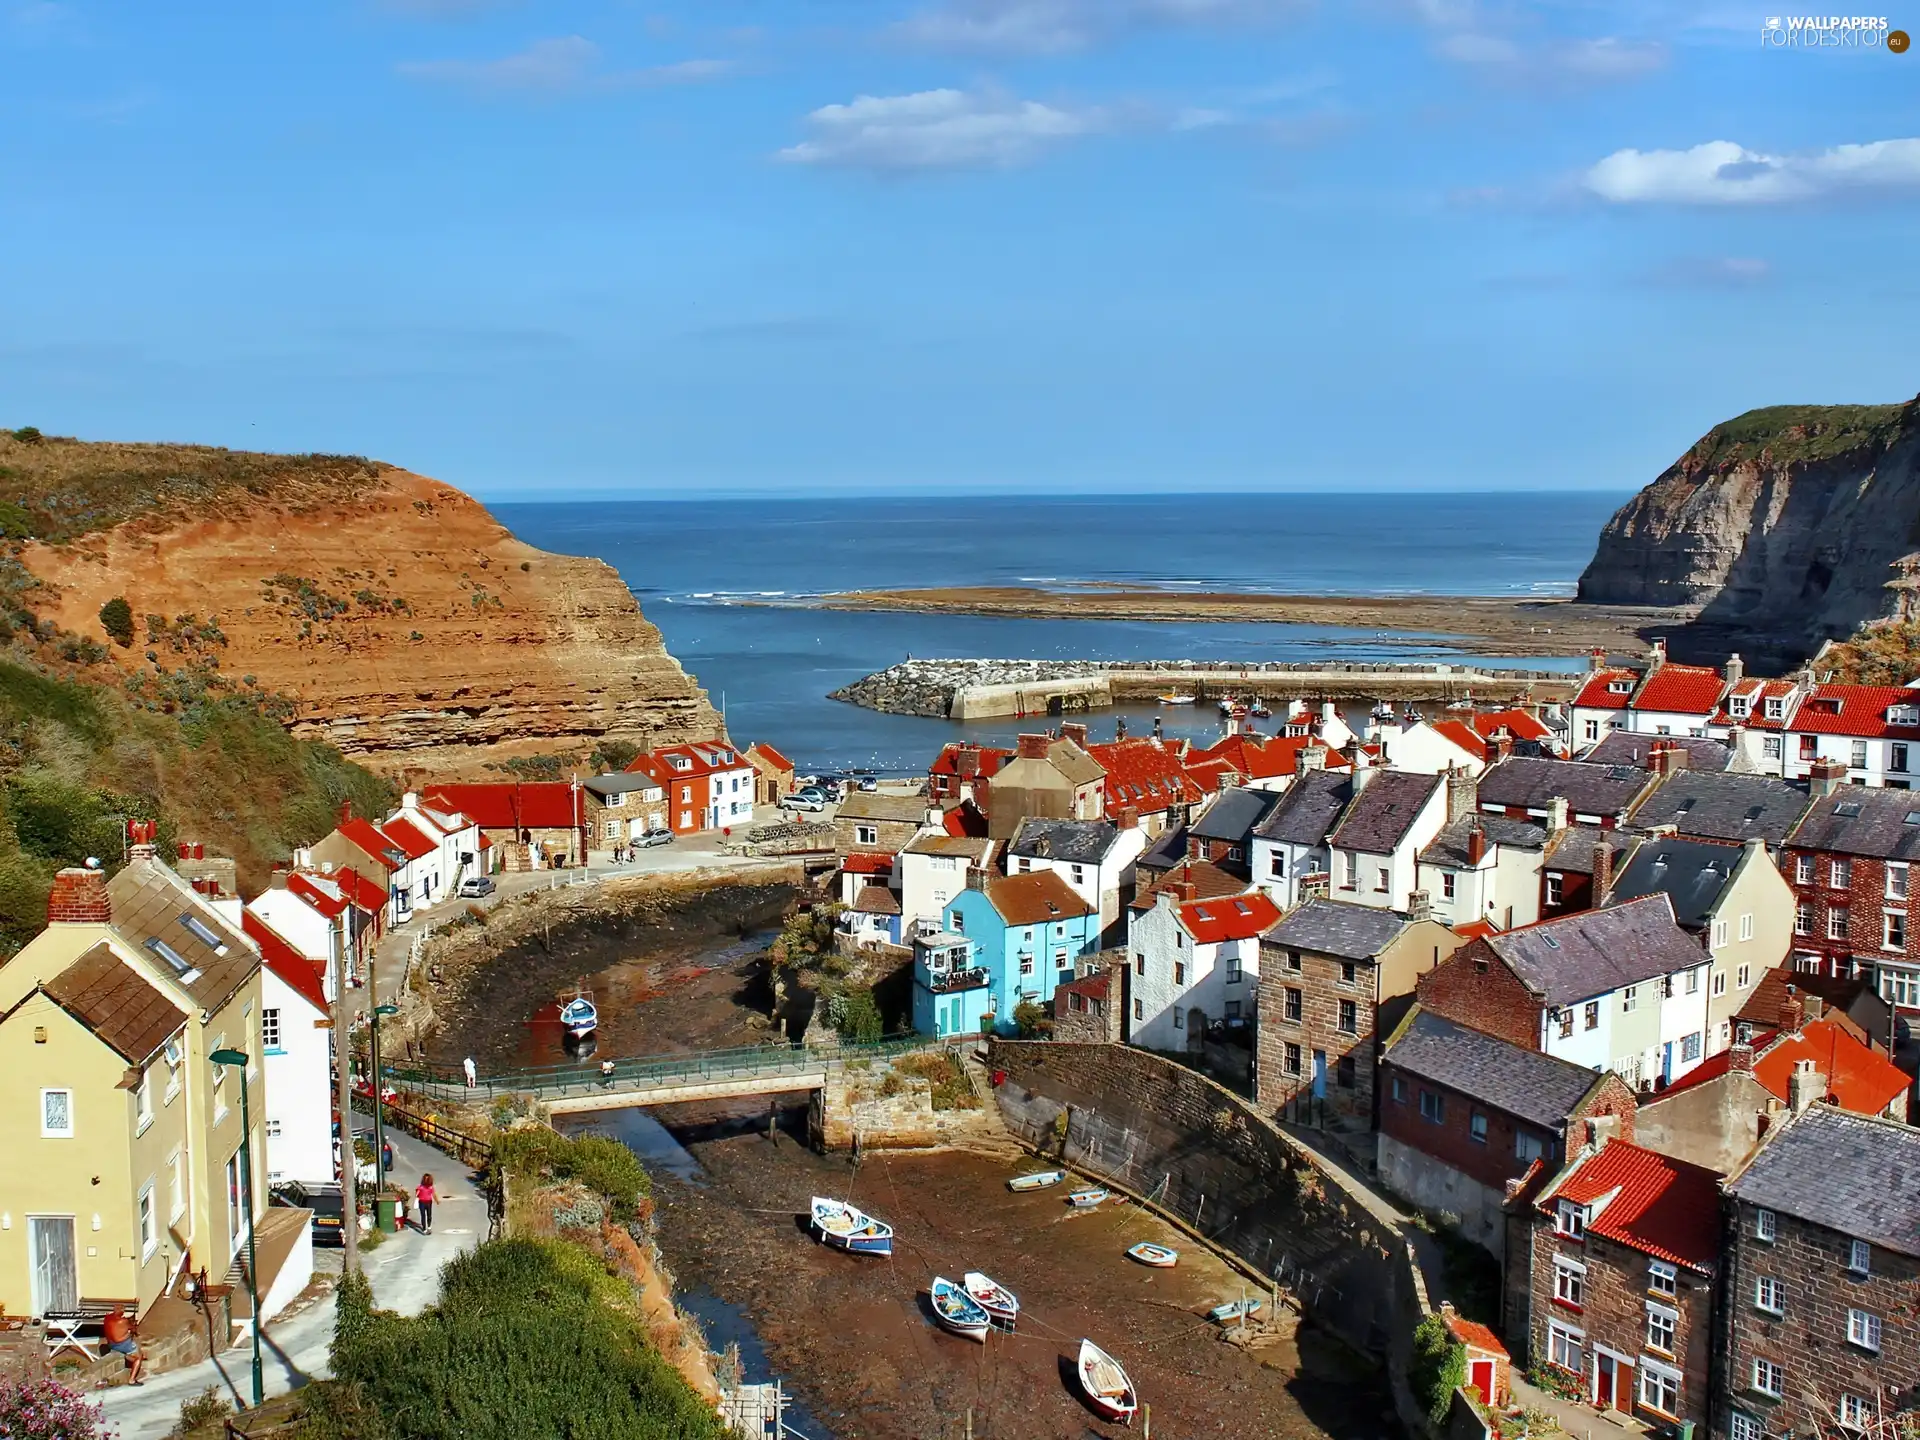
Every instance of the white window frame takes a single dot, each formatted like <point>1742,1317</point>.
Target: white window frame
<point>1569,1282</point>
<point>1741,1426</point>
<point>1746,925</point>
<point>1570,1220</point>
<point>270,1038</point>
<point>146,1223</point>
<point>1770,1294</point>
<point>176,1187</point>
<point>1893,931</point>
<point>1670,1324</point>
<point>866,834</point>
<point>1719,986</point>
<point>1566,1348</point>
<point>143,1103</point>
<point>1665,1383</point>
<point>1860,1257</point>
<point>48,1132</point>
<point>1863,1330</point>
<point>1855,1412</point>
<point>1742,977</point>
<point>1768,1378</point>
<point>1663,1278</point>
<point>1765,1226</point>
<point>1803,869</point>
<point>1896,880</point>
<point>1719,933</point>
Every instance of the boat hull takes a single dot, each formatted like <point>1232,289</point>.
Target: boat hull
<point>1157,1256</point>
<point>1000,1303</point>
<point>1233,1310</point>
<point>1105,1384</point>
<point>1086,1199</point>
<point>1039,1180</point>
<point>958,1311</point>
<point>855,1231</point>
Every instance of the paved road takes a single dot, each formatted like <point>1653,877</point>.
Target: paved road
<point>404,1273</point>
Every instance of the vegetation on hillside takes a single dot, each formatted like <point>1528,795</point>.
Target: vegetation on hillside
<point>1438,1368</point>
<point>1801,433</point>
<point>1884,653</point>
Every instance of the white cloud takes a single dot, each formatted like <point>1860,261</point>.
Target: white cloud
<point>1723,173</point>
<point>937,130</point>
<point>1045,27</point>
<point>566,65</point>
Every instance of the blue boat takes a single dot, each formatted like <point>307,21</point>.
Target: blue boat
<point>959,1311</point>
<point>840,1225</point>
<point>1231,1311</point>
<point>579,1018</point>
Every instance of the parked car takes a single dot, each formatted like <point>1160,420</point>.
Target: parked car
<point>324,1199</point>
<point>653,838</point>
<point>809,800</point>
<point>869,784</point>
<point>475,887</point>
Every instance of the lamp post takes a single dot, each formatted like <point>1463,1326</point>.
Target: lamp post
<point>379,1106</point>
<point>238,1060</point>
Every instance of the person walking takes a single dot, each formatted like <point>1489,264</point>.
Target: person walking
<point>116,1333</point>
<point>473,1075</point>
<point>423,1197</point>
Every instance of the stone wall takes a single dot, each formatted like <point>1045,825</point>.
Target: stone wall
<point>1203,1155</point>
<point>23,1351</point>
<point>1438,1188</point>
<point>885,1110</point>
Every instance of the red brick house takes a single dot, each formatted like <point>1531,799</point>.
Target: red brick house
<point>709,784</point>
<point>965,771</point>
<point>551,813</point>
<point>1489,1366</point>
<point>1625,1244</point>
<point>1850,862</point>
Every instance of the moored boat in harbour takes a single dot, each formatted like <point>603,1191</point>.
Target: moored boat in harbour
<point>1160,1257</point>
<point>579,1018</point>
<point>1107,1387</point>
<point>1037,1180</point>
<point>991,1296</point>
<point>1087,1196</point>
<point>842,1226</point>
<point>958,1311</point>
<point>1233,1310</point>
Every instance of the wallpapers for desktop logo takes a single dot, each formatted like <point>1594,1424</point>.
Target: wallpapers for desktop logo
<point>1827,32</point>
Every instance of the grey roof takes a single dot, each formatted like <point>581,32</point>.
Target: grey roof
<point>1724,807</point>
<point>621,783</point>
<point>1693,874</point>
<point>1167,850</point>
<point>869,805</point>
<point>1449,847</point>
<point>1234,814</point>
<point>1308,809</point>
<point>1854,820</point>
<point>1851,1173</point>
<point>1083,842</point>
<point>1580,956</point>
<point>1378,818</point>
<point>1624,748</point>
<point>1571,852</point>
<point>1538,1088</point>
<point>1333,927</point>
<point>1530,782</point>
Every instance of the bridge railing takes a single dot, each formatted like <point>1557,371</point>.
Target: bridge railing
<point>645,1073</point>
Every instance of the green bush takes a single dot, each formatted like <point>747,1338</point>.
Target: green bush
<point>116,618</point>
<point>1439,1367</point>
<point>856,1015</point>
<point>1032,1021</point>
<point>197,1412</point>
<point>604,1166</point>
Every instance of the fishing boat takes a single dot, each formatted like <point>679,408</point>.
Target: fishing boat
<point>958,1311</point>
<point>1227,704</point>
<point>578,1017</point>
<point>1086,1197</point>
<point>1038,1180</point>
<point>1260,710</point>
<point>1176,697</point>
<point>1158,1256</point>
<point>1233,1310</point>
<point>1108,1389</point>
<point>992,1297</point>
<point>840,1225</point>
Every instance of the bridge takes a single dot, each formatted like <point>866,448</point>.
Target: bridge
<point>580,1088</point>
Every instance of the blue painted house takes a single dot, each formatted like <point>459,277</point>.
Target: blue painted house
<point>1002,940</point>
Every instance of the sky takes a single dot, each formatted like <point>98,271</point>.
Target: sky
<point>549,250</point>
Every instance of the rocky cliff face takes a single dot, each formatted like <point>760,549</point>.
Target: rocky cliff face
<point>413,631</point>
<point>1783,526</point>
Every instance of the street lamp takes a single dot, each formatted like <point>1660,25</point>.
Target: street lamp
<point>238,1060</point>
<point>379,1108</point>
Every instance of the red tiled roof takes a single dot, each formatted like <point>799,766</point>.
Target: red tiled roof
<point>515,804</point>
<point>1758,692</point>
<point>409,837</point>
<point>1237,917</point>
<point>1463,735</point>
<point>867,864</point>
<point>371,842</point>
<point>1859,1078</point>
<point>1093,986</point>
<point>1473,1334</point>
<point>301,974</point>
<point>947,761</point>
<point>1213,776</point>
<point>772,756</point>
<point>1856,710</point>
<point>1660,1206</point>
<point>1681,690</point>
<point>1597,693</point>
<point>1142,775</point>
<point>1259,759</point>
<point>965,819</point>
<point>1477,929</point>
<point>319,891</point>
<point>362,891</point>
<point>703,757</point>
<point>1517,723</point>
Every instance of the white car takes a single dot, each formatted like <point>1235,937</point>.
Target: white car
<point>801,800</point>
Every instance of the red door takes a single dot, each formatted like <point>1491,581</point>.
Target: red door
<point>1603,1381</point>
<point>1480,1377</point>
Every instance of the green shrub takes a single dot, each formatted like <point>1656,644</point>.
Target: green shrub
<point>604,1166</point>
<point>116,618</point>
<point>197,1412</point>
<point>855,1015</point>
<point>1032,1021</point>
<point>1439,1367</point>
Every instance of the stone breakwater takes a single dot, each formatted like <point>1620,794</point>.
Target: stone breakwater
<point>965,689</point>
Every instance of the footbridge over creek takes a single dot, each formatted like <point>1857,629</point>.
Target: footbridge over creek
<point>774,1069</point>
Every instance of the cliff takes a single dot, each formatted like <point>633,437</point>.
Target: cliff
<point>1783,526</point>
<point>409,628</point>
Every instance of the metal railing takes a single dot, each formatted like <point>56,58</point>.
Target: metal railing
<point>470,1150</point>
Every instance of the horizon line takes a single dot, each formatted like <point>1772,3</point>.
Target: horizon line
<point>710,494</point>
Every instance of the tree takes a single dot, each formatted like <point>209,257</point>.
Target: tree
<point>1032,1021</point>
<point>28,435</point>
<point>1439,1367</point>
<point>116,618</point>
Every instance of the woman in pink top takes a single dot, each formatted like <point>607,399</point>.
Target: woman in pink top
<point>424,1197</point>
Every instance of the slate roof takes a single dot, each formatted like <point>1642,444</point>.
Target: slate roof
<point>1540,1089</point>
<point>1724,807</point>
<point>1850,1173</point>
<point>1531,782</point>
<point>1378,818</point>
<point>1449,847</point>
<point>1693,874</point>
<point>1076,764</point>
<point>623,783</point>
<point>1571,851</point>
<point>1622,748</point>
<point>1661,1207</point>
<point>1080,842</point>
<point>1855,820</point>
<point>1035,899</point>
<point>1579,956</point>
<point>1333,927</point>
<point>110,998</point>
<point>1233,816</point>
<point>876,900</point>
<point>878,805</point>
<point>1308,809</point>
<point>1168,849</point>
<point>150,906</point>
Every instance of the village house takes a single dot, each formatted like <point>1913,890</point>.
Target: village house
<point>932,869</point>
<point>1484,868</point>
<point>1489,1366</point>
<point>1147,777</point>
<point>877,823</point>
<point>873,916</point>
<point>1623,747</point>
<point>1023,934</point>
<point>1223,832</point>
<point>1577,867</point>
<point>1047,779</point>
<point>323,913</point>
<point>1290,854</point>
<point>1754,715</point>
<point>623,807</point>
<point>1375,844</point>
<point>709,784</point>
<point>1462,1114</point>
<point>1606,989</point>
<point>1731,808</point>
<point>531,824</point>
<point>1195,962</point>
<point>1600,705</point>
<point>964,771</point>
<point>1621,1252</point>
<point>1873,731</point>
<point>1266,764</point>
<point>1849,862</point>
<point>296,1027</point>
<point>772,772</point>
<point>1432,747</point>
<point>1525,787</point>
<point>1092,856</point>
<point>1092,1006</point>
<point>1658,699</point>
<point>1326,970</point>
<point>360,845</point>
<point>1851,1003</point>
<point>1822,1265</point>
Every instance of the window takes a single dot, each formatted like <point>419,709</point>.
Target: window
<point>1744,1427</point>
<point>1770,1295</point>
<point>149,1232</point>
<point>1897,758</point>
<point>1693,982</point>
<point>1233,1009</point>
<point>1026,968</point>
<point>1140,966</point>
<point>1348,973</point>
<point>1569,1282</point>
<point>1179,972</point>
<point>1179,1018</point>
<point>1346,1072</point>
<point>1857,758</point>
<point>1527,1148</point>
<point>143,1102</point>
<point>1746,925</point>
<point>1293,1004</point>
<point>1860,1258</point>
<point>1840,874</point>
<point>1662,1278</point>
<point>1803,869</point>
<point>1293,1060</point>
<point>1293,961</point>
<point>1856,1412</point>
<point>1556,887</point>
<point>1900,987</point>
<point>1234,973</point>
<point>1433,1109</point>
<point>1570,1220</point>
<point>611,830</point>
<point>1136,1010</point>
<point>1769,1378</point>
<point>1629,997</point>
<point>1742,976</point>
<point>1477,1128</point>
<point>1565,1018</point>
<point>1446,884</point>
<point>1690,1046</point>
<point>1398,1090</point>
<point>1863,1329</point>
<point>1893,931</point>
<point>1809,747</point>
<point>1659,1388</point>
<point>1593,1015</point>
<point>1382,881</point>
<point>866,834</point>
<point>1803,918</point>
<point>1349,1018</point>
<point>56,1114</point>
<point>1837,923</point>
<point>1770,746</point>
<point>1719,933</point>
<point>1896,882</point>
<point>1592,730</point>
<point>1277,866</point>
<point>1763,1226</point>
<point>270,1028</point>
<point>1564,1348</point>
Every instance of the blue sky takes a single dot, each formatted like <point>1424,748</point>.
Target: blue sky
<point>546,248</point>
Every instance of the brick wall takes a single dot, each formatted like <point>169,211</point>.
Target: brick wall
<point>79,896</point>
<point>1866,903</point>
<point>1472,987</point>
<point>1810,1339</point>
<point>23,1351</point>
<point>1491,1162</point>
<point>1280,1074</point>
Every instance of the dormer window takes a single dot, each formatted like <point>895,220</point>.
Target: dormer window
<point>1739,707</point>
<point>1570,1220</point>
<point>1776,707</point>
<point>1620,687</point>
<point>1903,715</point>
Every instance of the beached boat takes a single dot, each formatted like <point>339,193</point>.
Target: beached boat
<point>958,1311</point>
<point>840,1225</point>
<point>579,1018</point>
<point>1176,697</point>
<point>1086,1197</point>
<point>1038,1180</point>
<point>1233,1310</point>
<point>992,1297</point>
<point>1108,1389</point>
<point>1158,1256</point>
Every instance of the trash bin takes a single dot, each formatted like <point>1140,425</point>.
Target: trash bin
<point>383,1213</point>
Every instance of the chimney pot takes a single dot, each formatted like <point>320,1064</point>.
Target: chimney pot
<point>1824,777</point>
<point>1735,670</point>
<point>1476,845</point>
<point>1804,1086</point>
<point>1557,811</point>
<point>1034,747</point>
<point>1076,733</point>
<point>79,897</point>
<point>1793,1012</point>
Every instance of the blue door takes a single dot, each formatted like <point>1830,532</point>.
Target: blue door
<point>1319,1074</point>
<point>1666,1062</point>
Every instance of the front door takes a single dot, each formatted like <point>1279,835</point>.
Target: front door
<point>1666,1063</point>
<point>1480,1377</point>
<point>56,1283</point>
<point>1606,1377</point>
<point>1319,1074</point>
<point>236,1207</point>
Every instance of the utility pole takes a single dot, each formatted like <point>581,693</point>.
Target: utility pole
<point>343,1080</point>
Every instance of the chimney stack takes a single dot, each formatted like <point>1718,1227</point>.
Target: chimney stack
<point>346,811</point>
<point>1129,817</point>
<point>1596,659</point>
<point>1310,757</point>
<point>1557,812</point>
<point>1793,1012</point>
<point>1157,730</point>
<point>80,897</point>
<point>1666,757</point>
<point>1825,776</point>
<point>1076,733</point>
<point>1420,905</point>
<point>1602,869</point>
<point>1740,1058</point>
<point>1362,764</point>
<point>1476,845</point>
<point>1034,747</point>
<point>1735,669</point>
<point>1804,1086</point>
<point>1500,746</point>
<point>140,840</point>
<point>966,761</point>
<point>1462,793</point>
<point>1656,654</point>
<point>976,878</point>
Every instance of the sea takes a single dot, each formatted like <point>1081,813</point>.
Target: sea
<point>732,584</point>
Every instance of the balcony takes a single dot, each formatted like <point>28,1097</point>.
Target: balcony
<point>949,982</point>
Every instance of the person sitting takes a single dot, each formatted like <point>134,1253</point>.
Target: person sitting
<point>606,1069</point>
<point>116,1333</point>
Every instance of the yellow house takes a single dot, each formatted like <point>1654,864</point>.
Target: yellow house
<point>122,1138</point>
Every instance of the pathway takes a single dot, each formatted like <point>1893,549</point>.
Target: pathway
<point>404,1273</point>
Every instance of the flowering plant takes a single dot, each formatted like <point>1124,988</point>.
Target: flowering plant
<point>44,1410</point>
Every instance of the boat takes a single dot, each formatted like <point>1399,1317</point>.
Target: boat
<point>1158,1256</point>
<point>1260,710</point>
<point>1108,1389</point>
<point>1231,1311</point>
<point>1086,1197</point>
<point>958,1311</point>
<point>1038,1180</point>
<point>1176,697</point>
<point>1227,704</point>
<point>840,1225</point>
<point>992,1297</point>
<point>578,1017</point>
